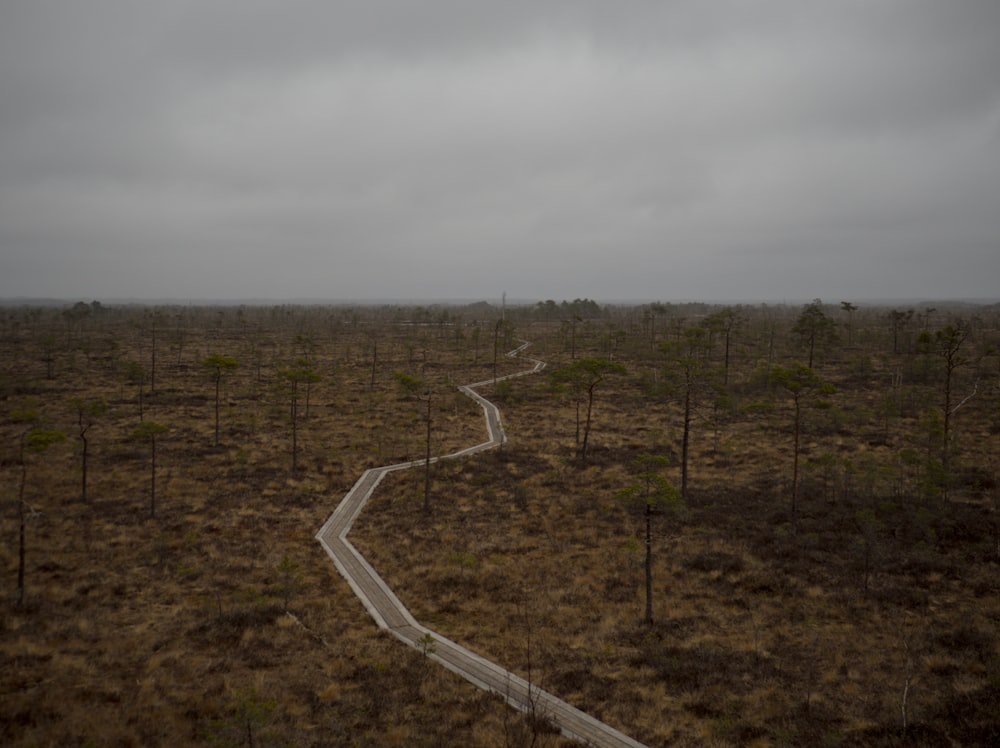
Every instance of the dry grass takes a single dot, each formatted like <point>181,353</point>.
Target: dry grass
<point>146,631</point>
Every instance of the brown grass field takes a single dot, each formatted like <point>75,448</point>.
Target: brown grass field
<point>871,617</point>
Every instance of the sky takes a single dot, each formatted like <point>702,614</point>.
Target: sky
<point>697,150</point>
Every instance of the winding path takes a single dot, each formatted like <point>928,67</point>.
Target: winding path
<point>390,614</point>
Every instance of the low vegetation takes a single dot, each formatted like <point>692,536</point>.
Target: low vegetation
<point>829,577</point>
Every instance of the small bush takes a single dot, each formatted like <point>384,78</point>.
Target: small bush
<point>708,561</point>
<point>968,638</point>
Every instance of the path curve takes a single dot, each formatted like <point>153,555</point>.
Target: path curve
<point>390,614</point>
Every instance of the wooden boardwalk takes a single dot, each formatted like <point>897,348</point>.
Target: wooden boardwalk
<point>390,614</point>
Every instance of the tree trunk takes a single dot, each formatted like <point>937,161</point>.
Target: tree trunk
<point>868,563</point>
<point>152,475</point>
<point>649,564</point>
<point>83,471</point>
<point>725,367</point>
<point>946,427</point>
<point>218,383</point>
<point>586,426</point>
<point>295,435</point>
<point>427,463</point>
<point>152,364</point>
<point>795,468</point>
<point>686,438</point>
<point>19,601</point>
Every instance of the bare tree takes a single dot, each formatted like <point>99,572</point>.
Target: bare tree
<point>148,431</point>
<point>814,328</point>
<point>850,309</point>
<point>657,495</point>
<point>303,372</point>
<point>799,382</point>
<point>218,365</point>
<point>33,440</point>
<point>948,340</point>
<point>688,378</point>
<point>583,377</point>
<point>87,415</point>
<point>898,320</point>
<point>726,322</point>
<point>427,457</point>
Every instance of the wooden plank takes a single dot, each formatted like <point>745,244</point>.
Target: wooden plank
<point>390,614</point>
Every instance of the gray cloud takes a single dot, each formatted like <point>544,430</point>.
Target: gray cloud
<point>453,149</point>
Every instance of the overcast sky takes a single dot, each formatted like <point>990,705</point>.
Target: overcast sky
<point>699,150</point>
